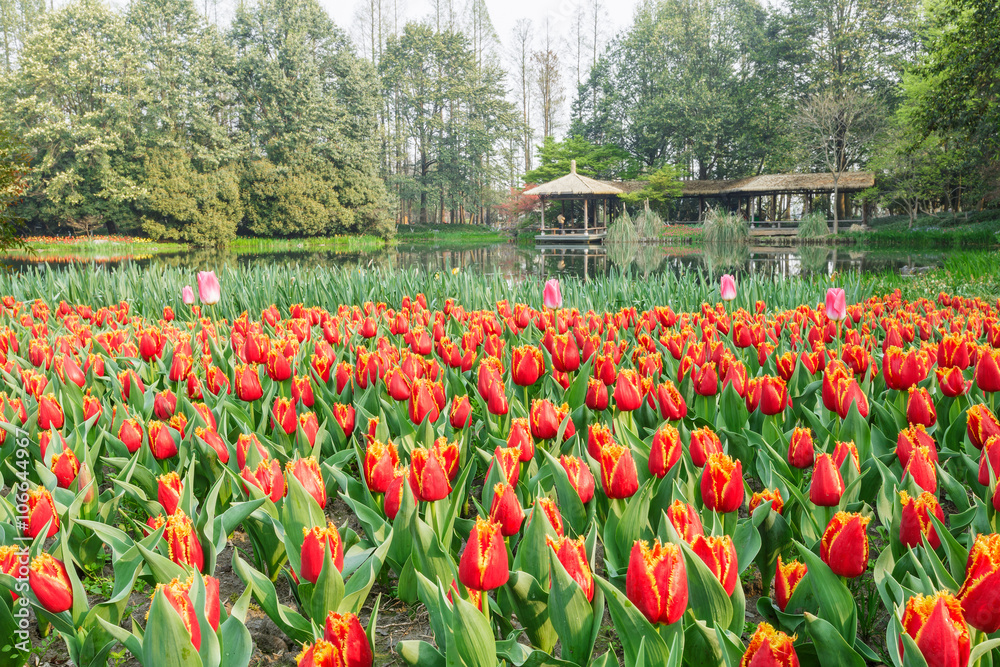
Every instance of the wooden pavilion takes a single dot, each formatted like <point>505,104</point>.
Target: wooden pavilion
<point>599,201</point>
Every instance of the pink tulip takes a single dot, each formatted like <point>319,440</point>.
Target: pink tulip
<point>187,294</point>
<point>728,288</point>
<point>836,304</point>
<point>208,287</point>
<point>551,296</point>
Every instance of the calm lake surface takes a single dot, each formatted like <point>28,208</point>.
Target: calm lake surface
<point>513,261</point>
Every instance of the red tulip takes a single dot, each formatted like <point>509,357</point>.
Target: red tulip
<point>279,367</point>
<point>844,546</point>
<point>665,450</point>
<point>773,395</point>
<point>527,365</point>
<point>302,391</point>
<point>565,353</point>
<point>572,554</point>
<point>283,415</point>
<point>920,468</point>
<point>915,525</point>
<point>844,449</point>
<point>460,415</point>
<point>827,485</point>
<point>428,475</point>
<point>65,466</point>
<point>706,380</point>
<point>704,443</point>
<point>597,395</point>
<point>178,594</point>
<point>248,387</point>
<point>344,416</point>
<point>41,510</point>
<point>182,541</point>
<point>316,543</point>
<point>656,581</point>
<point>165,404</point>
<point>951,382</point>
<point>168,491</point>
<point>243,443</point>
<point>953,351</point>
<point>769,647</point>
<point>936,624</point>
<point>151,344</point>
<point>719,554</point>
<point>348,641</point>
<point>520,437</point>
<point>50,413</point>
<point>672,404</point>
<point>685,520</point>
<point>161,441</point>
<point>551,511</point>
<point>786,578</point>
<point>980,594</point>
<point>506,510</point>
<point>394,492</point>
<point>628,391</point>
<point>920,407</point>
<point>483,563</point>
<point>50,583</point>
<point>981,424</point>
<point>422,402</point>
<point>14,563</point>
<point>618,474</point>
<point>772,495</point>
<point>722,483</point>
<point>380,465</point>
<point>509,458</point>
<point>987,374</point>
<point>545,419</point>
<point>267,477</point>
<point>800,449</point>
<point>307,472</point>
<point>580,477</point>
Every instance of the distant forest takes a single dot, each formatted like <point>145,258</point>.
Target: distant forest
<point>158,118</point>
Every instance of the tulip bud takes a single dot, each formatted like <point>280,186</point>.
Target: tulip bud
<point>50,583</point>
<point>14,563</point>
<point>989,460</point>
<point>168,491</point>
<point>483,564</point>
<point>719,554</point>
<point>827,485</point>
<point>91,407</point>
<point>283,415</point>
<point>347,640</point>
<point>987,374</point>
<point>267,477</point>
<point>307,472</point>
<point>774,396</point>
<point>912,438</point>
<point>380,465</point>
<point>165,404</point>
<point>580,477</point>
<point>844,449</point>
<point>665,450</point>
<point>161,441</point>
<point>722,483</point>
<point>920,408</point>
<point>178,594</point>
<point>509,458</point>
<point>551,512</point>
<point>704,443</point>
<point>41,509</point>
<point>422,402</point>
<point>951,382</point>
<point>597,395</point>
<point>844,546</point>
<point>915,524</point>
<point>248,387</point>
<point>428,477</point>
<point>920,468</point>
<point>672,403</point>
<point>316,542</point>
<point>598,437</point>
<point>183,545</point>
<point>302,391</point>
<point>628,391</point>
<point>786,577</point>
<point>619,477</point>
<point>800,449</point>
<point>506,509</point>
<point>981,424</point>
<point>761,497</point>
<point>544,419</point>
<point>770,647</point>
<point>706,380</point>
<point>394,492</point>
<point>527,365</point>
<point>65,466</point>
<point>936,624</point>
<point>344,415</point>
<point>656,581</point>
<point>685,520</point>
<point>50,413</point>
<point>573,556</point>
<point>980,594</point>
<point>460,414</point>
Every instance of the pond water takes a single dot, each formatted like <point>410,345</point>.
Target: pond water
<point>511,260</point>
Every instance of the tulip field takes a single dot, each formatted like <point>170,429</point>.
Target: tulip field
<point>735,472</point>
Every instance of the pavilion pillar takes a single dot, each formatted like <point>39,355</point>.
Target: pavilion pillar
<point>701,209</point>
<point>864,214</point>
<point>586,215</point>
<point>542,199</point>
<point>774,207</point>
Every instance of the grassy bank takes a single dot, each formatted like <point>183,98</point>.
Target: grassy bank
<point>339,243</point>
<point>976,228</point>
<point>452,235</point>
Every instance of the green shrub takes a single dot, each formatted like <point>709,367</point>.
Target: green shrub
<point>813,226</point>
<point>725,228</point>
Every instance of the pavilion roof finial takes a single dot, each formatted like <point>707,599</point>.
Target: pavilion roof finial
<point>572,166</point>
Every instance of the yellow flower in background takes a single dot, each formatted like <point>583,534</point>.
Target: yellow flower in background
<point>454,271</point>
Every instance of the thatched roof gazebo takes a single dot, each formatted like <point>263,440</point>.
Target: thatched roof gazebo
<point>598,198</point>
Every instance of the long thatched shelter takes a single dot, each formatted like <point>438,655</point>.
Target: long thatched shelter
<point>598,199</point>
